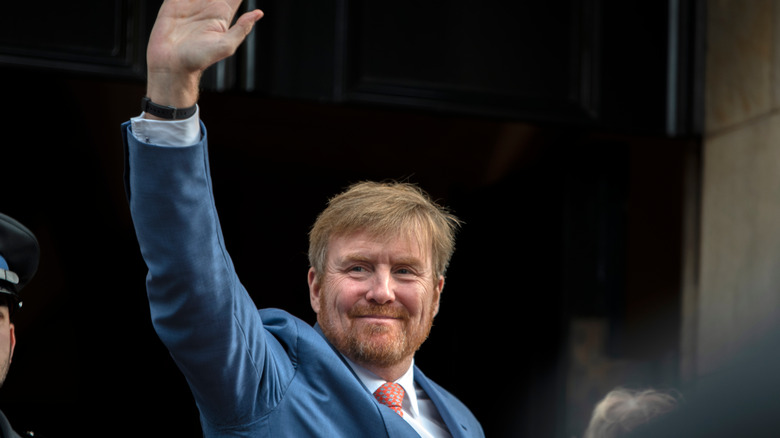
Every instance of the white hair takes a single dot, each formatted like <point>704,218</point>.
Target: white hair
<point>623,410</point>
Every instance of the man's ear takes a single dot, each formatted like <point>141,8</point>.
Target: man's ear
<point>438,290</point>
<point>314,290</point>
<point>12,337</point>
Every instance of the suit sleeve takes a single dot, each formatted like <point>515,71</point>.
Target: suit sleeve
<point>199,308</point>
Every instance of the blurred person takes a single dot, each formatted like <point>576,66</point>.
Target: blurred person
<point>378,254</point>
<point>623,412</point>
<point>736,398</point>
<point>19,255</point>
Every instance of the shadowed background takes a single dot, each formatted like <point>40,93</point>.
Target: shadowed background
<point>548,130</point>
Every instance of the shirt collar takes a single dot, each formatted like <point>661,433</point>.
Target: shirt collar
<point>373,382</point>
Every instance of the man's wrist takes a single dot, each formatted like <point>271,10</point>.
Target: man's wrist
<point>167,89</point>
<point>166,112</point>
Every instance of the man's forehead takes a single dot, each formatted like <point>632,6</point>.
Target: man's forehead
<point>362,244</point>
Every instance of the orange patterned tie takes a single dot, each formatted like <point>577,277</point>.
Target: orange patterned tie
<point>392,395</point>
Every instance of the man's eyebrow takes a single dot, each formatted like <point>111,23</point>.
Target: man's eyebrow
<point>411,261</point>
<point>360,257</point>
<point>355,256</point>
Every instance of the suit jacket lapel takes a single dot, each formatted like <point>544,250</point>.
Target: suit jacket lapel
<point>454,425</point>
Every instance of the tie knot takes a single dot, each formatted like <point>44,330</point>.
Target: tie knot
<point>392,395</point>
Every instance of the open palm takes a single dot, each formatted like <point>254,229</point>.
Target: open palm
<point>188,37</point>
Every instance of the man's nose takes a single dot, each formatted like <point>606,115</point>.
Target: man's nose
<point>382,288</point>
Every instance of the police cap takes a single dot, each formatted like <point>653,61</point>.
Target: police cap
<point>19,255</point>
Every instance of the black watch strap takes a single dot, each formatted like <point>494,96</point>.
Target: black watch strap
<point>167,112</point>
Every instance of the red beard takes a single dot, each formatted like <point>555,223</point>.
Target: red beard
<point>376,344</point>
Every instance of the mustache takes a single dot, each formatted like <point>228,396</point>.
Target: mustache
<point>360,310</point>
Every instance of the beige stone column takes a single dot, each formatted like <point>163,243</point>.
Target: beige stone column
<point>737,295</point>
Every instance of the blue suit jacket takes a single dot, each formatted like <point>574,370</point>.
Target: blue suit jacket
<point>253,373</point>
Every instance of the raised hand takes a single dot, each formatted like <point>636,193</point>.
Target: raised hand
<point>188,37</point>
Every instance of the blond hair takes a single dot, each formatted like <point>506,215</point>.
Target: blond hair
<point>385,209</point>
<point>623,410</point>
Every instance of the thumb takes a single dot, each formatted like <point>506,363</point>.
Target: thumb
<point>243,26</point>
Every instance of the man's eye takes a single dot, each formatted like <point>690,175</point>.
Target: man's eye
<point>357,269</point>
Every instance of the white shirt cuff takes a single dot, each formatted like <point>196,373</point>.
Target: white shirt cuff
<point>168,133</point>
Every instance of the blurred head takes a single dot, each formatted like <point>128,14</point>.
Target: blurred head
<point>622,411</point>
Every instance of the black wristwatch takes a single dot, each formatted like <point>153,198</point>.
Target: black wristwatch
<point>166,112</point>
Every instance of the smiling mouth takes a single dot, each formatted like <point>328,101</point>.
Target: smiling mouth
<point>377,313</point>
<point>378,317</point>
